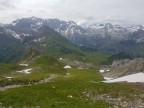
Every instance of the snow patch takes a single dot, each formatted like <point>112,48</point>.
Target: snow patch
<point>107,78</point>
<point>25,34</point>
<point>8,31</point>
<point>23,64</point>
<point>135,28</point>
<point>107,70</point>
<point>39,40</point>
<point>70,96</point>
<point>8,77</point>
<point>14,23</point>
<point>39,23</point>
<point>26,71</point>
<point>33,18</point>
<point>133,78</point>
<point>96,26</point>
<point>102,71</point>
<point>67,67</point>
<point>44,45</point>
<point>35,30</point>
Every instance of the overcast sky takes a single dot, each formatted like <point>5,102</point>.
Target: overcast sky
<point>80,11</point>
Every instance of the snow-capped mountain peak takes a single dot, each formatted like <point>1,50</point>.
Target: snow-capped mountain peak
<point>109,26</point>
<point>15,22</point>
<point>135,28</point>
<point>74,32</point>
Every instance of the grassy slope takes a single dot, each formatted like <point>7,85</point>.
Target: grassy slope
<point>44,67</point>
<point>59,47</point>
<point>41,68</point>
<point>55,94</point>
<point>56,45</point>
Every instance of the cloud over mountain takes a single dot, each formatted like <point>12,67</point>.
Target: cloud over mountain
<point>99,11</point>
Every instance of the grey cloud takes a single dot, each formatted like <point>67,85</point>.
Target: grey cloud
<point>95,11</point>
<point>7,4</point>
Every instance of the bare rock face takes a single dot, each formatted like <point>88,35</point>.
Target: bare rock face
<point>125,67</point>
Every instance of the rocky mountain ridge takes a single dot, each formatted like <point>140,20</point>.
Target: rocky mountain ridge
<point>77,34</point>
<point>104,38</point>
<point>125,67</point>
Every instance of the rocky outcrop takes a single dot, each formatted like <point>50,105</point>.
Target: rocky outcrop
<point>125,67</point>
<point>117,102</point>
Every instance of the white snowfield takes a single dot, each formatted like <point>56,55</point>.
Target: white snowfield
<point>133,78</point>
<point>67,67</point>
<point>26,71</point>
<point>104,70</point>
<point>101,71</point>
<point>23,64</point>
<point>107,78</point>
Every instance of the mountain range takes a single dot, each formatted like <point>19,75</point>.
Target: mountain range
<point>28,26</point>
<point>62,35</point>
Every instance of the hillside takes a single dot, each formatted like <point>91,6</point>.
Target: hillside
<point>125,67</point>
<point>48,42</point>
<point>40,80</point>
<point>63,39</point>
<point>56,45</point>
<point>103,38</point>
<point>44,82</point>
<point>10,48</point>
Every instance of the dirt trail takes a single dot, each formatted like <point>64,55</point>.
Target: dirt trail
<point>8,87</point>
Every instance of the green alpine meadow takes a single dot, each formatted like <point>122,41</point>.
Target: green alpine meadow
<point>71,54</point>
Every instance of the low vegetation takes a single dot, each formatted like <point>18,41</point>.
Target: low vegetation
<point>49,85</point>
